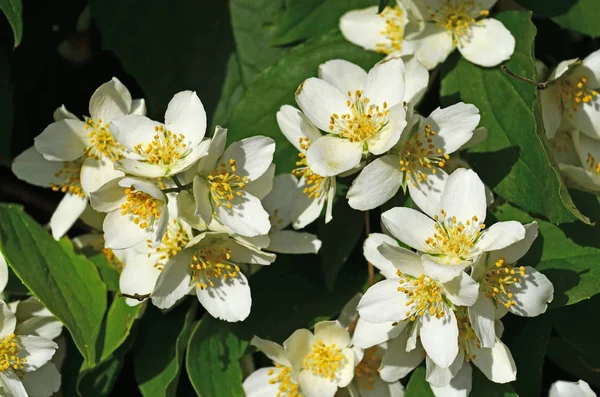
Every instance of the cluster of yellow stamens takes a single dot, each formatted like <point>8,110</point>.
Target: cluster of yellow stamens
<point>70,175</point>
<point>572,94</point>
<point>498,280</point>
<point>454,239</point>
<point>592,163</point>
<point>143,207</point>
<point>9,355</point>
<point>165,149</point>
<point>102,142</point>
<point>425,296</point>
<point>324,360</point>
<point>210,264</point>
<point>419,154</point>
<point>225,184</point>
<point>467,338</point>
<point>313,181</point>
<point>457,17</point>
<point>286,387</point>
<point>174,240</point>
<point>367,370</point>
<point>393,31</point>
<point>363,120</point>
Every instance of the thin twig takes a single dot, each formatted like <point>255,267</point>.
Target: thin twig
<point>369,264</point>
<point>176,180</point>
<point>540,86</point>
<point>179,187</point>
<point>135,296</point>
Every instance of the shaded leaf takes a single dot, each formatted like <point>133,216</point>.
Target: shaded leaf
<point>577,15</point>
<point>574,361</point>
<point>6,106</point>
<point>109,273</point>
<point>482,386</point>
<point>417,385</point>
<point>13,9</point>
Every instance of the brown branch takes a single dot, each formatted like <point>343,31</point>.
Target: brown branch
<point>370,267</point>
<point>135,296</point>
<point>540,86</point>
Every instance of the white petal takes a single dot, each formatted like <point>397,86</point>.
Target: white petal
<point>345,374</point>
<point>174,281</point>
<point>246,253</point>
<point>142,169</point>
<point>297,347</point>
<point>417,80</point>
<point>138,106</point>
<point>202,199</point>
<point>62,113</point>
<point>500,235</point>
<point>512,253</point>
<point>97,173</point>
<point>47,327</point>
<point>63,140</point>
<point>383,302</point>
<point>385,83</point>
<point>330,155</point>
<point>8,320</point>
<point>252,156</point>
<point>120,232</point>
<point>319,100</point>
<point>377,183</point>
<point>263,185</point>
<point>434,47</point>
<point>562,388</point>
<point>186,210</point>
<point>387,137</point>
<point>479,135</point>
<point>43,382</point>
<point>427,195</point>
<point>228,300</point>
<point>373,256</point>
<point>185,113</point>
<point>459,386</point>
<point>482,317</point>
<point>110,100</point>
<point>3,272</point>
<point>10,382</point>
<point>464,196</point>
<point>343,75</point>
<point>368,334</point>
<point>278,203</point>
<point>66,214</point>
<point>405,260</point>
<point>439,337</point>
<point>462,290</point>
<point>138,276</point>
<point>592,64</point>
<point>586,147</point>
<point>315,385</point>
<point>490,43</point>
<point>532,293</point>
<point>246,215</point>
<point>587,118</point>
<point>332,332</point>
<point>580,177</point>
<point>496,363</point>
<point>31,167</point>
<point>296,126</point>
<point>215,150</point>
<point>397,362</point>
<point>109,197</point>
<point>273,350</point>
<point>364,28</point>
<point>132,130</point>
<point>36,349</point>
<point>291,242</point>
<point>258,385</point>
<point>306,209</point>
<point>454,125</point>
<point>438,376</point>
<point>551,110</point>
<point>409,226</point>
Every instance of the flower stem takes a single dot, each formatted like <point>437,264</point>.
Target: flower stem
<point>540,86</point>
<point>135,296</point>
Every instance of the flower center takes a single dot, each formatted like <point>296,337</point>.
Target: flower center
<point>70,174</point>
<point>141,206</point>
<point>212,263</point>
<point>467,338</point>
<point>166,147</point>
<point>419,153</point>
<point>174,240</point>
<point>454,239</point>
<point>425,296</point>
<point>102,143</point>
<point>368,369</point>
<point>362,121</point>
<point>393,32</point>
<point>592,163</point>
<point>225,184</point>
<point>457,17</point>
<point>573,94</point>
<point>286,387</point>
<point>313,187</point>
<point>324,360</point>
<point>9,355</point>
<point>498,280</point>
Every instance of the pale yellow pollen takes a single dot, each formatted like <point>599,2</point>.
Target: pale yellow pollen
<point>324,360</point>
<point>102,142</point>
<point>9,355</point>
<point>452,238</point>
<point>314,181</point>
<point>458,17</point>
<point>144,208</point>
<point>394,32</point>
<point>211,264</point>
<point>367,370</point>
<point>573,94</point>
<point>425,296</point>
<point>419,156</point>
<point>174,240</point>
<point>497,281</point>
<point>362,122</point>
<point>286,388</point>
<point>70,177</point>
<point>467,338</point>
<point>225,184</point>
<point>165,148</point>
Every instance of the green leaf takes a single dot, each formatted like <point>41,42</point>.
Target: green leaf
<point>571,267</point>
<point>109,273</point>
<point>305,19</point>
<point>417,385</point>
<point>574,361</point>
<point>66,283</point>
<point>213,359</point>
<point>232,91</point>
<point>117,326</point>
<point>483,387</point>
<point>168,46</point>
<point>6,107</point>
<point>165,336</point>
<point>514,154</point>
<point>577,15</point>
<point>13,9</point>
<point>382,5</point>
<point>275,86</point>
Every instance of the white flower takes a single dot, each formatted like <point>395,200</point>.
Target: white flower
<point>278,204</point>
<point>3,273</point>
<point>274,381</point>
<point>414,293</point>
<point>229,184</point>
<point>136,211</point>
<point>447,24</point>
<point>584,172</point>
<point>209,265</point>
<point>562,388</point>
<point>453,234</point>
<point>22,355</point>
<point>163,150</point>
<point>384,32</point>
<point>361,113</point>
<point>417,160</point>
<point>572,95</point>
<point>321,362</point>
<point>315,190</point>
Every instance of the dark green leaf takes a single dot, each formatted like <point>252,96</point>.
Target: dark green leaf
<point>577,15</point>
<point>13,9</point>
<point>66,283</point>
<point>275,86</point>
<point>417,385</point>
<point>165,336</point>
<point>574,361</point>
<point>117,325</point>
<point>109,273</point>
<point>232,91</point>
<point>382,5</point>
<point>514,154</point>
<point>483,387</point>
<point>6,107</point>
